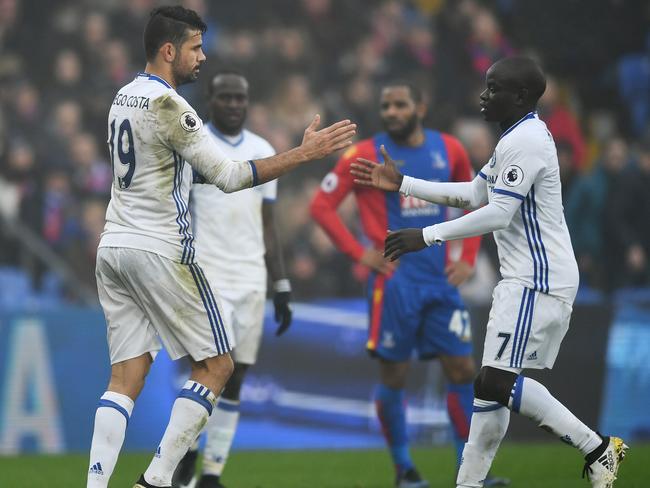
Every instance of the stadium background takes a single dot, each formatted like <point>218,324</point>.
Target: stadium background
<point>61,63</point>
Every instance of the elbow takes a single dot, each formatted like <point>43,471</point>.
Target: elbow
<point>317,209</point>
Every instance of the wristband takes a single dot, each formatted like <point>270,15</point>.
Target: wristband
<point>282,286</point>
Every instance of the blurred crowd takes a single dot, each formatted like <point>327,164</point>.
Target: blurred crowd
<point>62,62</point>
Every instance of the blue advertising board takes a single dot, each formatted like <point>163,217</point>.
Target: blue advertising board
<point>311,388</point>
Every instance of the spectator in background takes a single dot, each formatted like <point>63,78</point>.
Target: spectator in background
<point>562,122</point>
<point>294,106</point>
<point>60,224</point>
<point>591,225</point>
<point>91,174</point>
<point>628,223</point>
<point>65,122</point>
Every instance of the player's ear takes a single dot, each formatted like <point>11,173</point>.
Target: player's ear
<point>168,51</point>
<point>522,96</point>
<point>421,110</point>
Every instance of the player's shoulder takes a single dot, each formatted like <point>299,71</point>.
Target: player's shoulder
<point>173,110</point>
<point>451,142</point>
<point>365,148</point>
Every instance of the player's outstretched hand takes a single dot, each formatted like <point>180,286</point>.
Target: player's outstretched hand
<point>317,144</point>
<point>283,312</point>
<point>383,176</point>
<point>403,241</point>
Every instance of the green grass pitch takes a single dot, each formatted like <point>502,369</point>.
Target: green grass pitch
<point>528,465</point>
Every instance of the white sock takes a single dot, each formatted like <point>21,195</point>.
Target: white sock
<point>220,433</point>
<point>189,414</point>
<point>488,427</point>
<point>533,400</point>
<point>111,419</point>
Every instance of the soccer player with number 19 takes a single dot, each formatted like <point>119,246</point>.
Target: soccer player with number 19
<point>518,196</point>
<point>150,284</point>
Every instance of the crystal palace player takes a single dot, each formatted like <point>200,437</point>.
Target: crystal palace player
<point>532,304</point>
<point>414,306</point>
<point>149,282</point>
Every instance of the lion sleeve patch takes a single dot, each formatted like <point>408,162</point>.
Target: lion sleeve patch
<point>512,175</point>
<point>190,122</point>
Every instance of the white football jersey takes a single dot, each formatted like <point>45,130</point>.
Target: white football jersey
<point>535,249</point>
<point>228,227</point>
<point>152,132</point>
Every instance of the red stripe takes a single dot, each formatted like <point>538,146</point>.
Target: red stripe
<point>375,312</point>
<point>457,415</point>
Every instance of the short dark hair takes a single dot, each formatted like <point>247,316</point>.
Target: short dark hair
<point>169,24</point>
<point>415,91</point>
<point>224,72</point>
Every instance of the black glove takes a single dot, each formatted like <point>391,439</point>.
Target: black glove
<point>282,305</point>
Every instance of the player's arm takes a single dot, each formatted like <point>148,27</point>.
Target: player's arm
<point>187,136</point>
<point>336,185</point>
<point>494,216</point>
<point>387,177</point>
<point>275,262</point>
<point>461,171</point>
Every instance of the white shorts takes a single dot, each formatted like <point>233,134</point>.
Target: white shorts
<point>243,312</point>
<point>525,328</point>
<point>148,298</point>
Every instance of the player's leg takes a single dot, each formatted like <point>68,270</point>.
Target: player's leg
<point>541,324</point>
<point>393,325</point>
<point>132,343</point>
<point>187,317</point>
<point>246,310</point>
<point>460,372</point>
<point>446,334</point>
<point>221,430</point>
<point>189,415</point>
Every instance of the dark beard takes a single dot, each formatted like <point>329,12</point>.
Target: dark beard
<point>181,78</point>
<point>405,132</point>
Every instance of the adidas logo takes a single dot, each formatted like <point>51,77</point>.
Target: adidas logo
<point>96,469</point>
<point>532,356</point>
<point>157,452</point>
<point>607,461</point>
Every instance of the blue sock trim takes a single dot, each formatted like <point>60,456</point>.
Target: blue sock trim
<point>116,406</point>
<point>516,393</point>
<point>197,397</point>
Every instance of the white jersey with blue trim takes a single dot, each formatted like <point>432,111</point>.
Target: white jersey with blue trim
<point>535,248</point>
<point>152,132</point>
<point>231,247</point>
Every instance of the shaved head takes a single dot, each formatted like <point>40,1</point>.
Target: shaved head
<point>520,72</point>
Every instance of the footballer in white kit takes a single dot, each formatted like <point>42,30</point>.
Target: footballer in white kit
<point>517,196</point>
<point>235,250</point>
<point>232,246</point>
<point>150,284</point>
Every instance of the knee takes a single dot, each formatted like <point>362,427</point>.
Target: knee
<point>221,367</point>
<point>393,375</point>
<point>462,372</point>
<point>128,377</point>
<point>234,384</point>
<point>494,385</point>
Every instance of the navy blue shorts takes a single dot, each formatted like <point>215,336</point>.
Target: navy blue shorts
<point>408,318</point>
